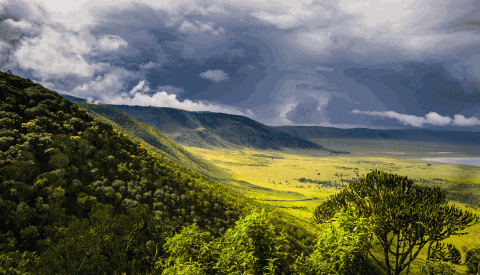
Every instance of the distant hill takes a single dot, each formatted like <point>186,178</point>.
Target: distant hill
<point>209,130</point>
<point>153,139</point>
<point>213,130</point>
<point>74,98</point>
<point>450,137</point>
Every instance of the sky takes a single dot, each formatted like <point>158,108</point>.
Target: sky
<point>379,64</point>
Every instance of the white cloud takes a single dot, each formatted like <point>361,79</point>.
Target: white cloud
<point>140,86</point>
<point>111,83</point>
<point>107,90</point>
<point>436,119</point>
<point>163,99</point>
<point>53,55</point>
<point>149,65</point>
<point>111,43</point>
<point>460,120</point>
<point>188,27</point>
<point>57,53</point>
<point>431,118</point>
<point>215,75</point>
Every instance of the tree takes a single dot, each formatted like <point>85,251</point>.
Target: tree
<point>17,262</point>
<point>190,249</point>
<point>254,247</point>
<point>103,244</point>
<point>341,249</point>
<point>6,207</point>
<point>412,216</point>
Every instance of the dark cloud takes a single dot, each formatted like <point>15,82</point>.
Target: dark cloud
<point>469,21</point>
<point>305,112</point>
<point>417,89</point>
<point>336,112</point>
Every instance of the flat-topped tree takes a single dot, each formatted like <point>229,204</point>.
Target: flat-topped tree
<point>414,215</point>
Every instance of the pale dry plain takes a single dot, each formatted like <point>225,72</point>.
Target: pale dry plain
<point>299,180</point>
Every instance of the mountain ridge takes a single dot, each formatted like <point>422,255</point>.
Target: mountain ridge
<point>221,139</point>
<point>215,130</point>
<point>152,139</point>
<point>449,137</point>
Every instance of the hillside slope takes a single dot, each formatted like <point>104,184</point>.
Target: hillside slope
<point>55,156</point>
<point>450,137</point>
<point>76,193</point>
<point>210,130</point>
<point>153,139</point>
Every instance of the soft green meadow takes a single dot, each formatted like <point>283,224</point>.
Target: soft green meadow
<point>298,180</point>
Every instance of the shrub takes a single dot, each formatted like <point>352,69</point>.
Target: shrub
<point>472,260</point>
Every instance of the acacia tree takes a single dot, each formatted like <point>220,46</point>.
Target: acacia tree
<point>414,216</point>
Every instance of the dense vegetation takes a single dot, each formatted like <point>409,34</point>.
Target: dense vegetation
<point>79,197</point>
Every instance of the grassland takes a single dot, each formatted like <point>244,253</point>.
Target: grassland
<point>299,180</point>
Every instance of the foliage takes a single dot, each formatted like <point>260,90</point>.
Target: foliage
<point>341,249</point>
<point>105,243</point>
<point>254,246</point>
<point>472,260</point>
<point>13,263</point>
<point>436,268</point>
<point>452,254</point>
<point>192,247</point>
<point>402,210</point>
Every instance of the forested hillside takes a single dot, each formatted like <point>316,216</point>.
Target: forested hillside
<point>57,163</point>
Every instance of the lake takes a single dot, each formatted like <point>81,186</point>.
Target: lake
<point>468,161</point>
